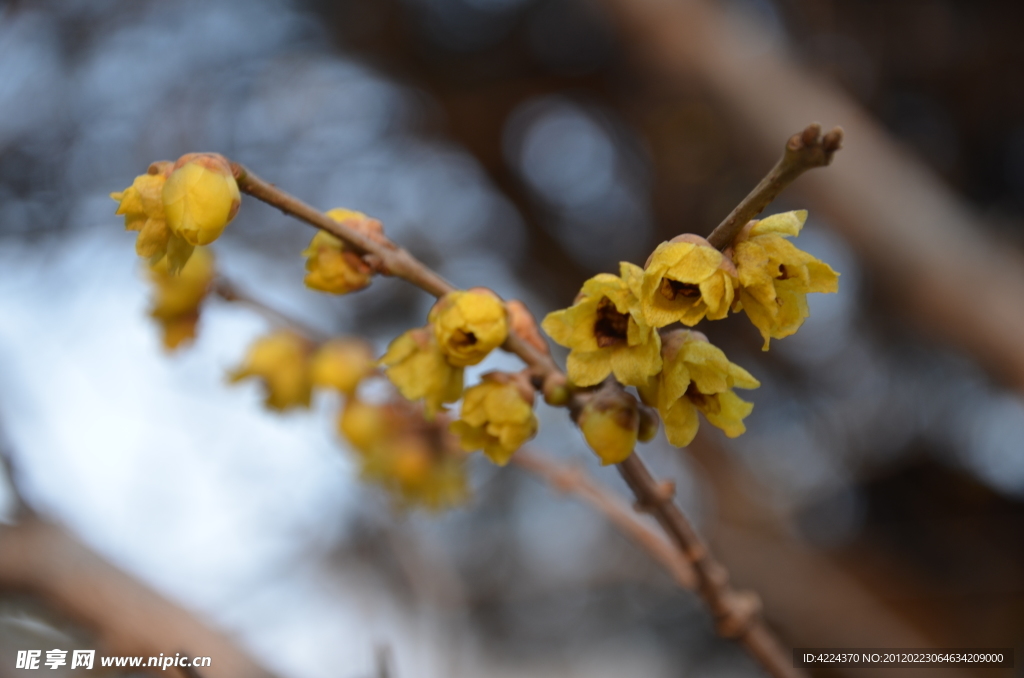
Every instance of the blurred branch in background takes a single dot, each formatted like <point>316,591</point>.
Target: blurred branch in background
<point>128,618</point>
<point>929,248</point>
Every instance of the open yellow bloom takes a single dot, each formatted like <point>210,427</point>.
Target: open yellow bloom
<point>341,364</point>
<point>414,459</point>
<point>606,332</point>
<point>495,418</point>
<point>697,378</point>
<point>200,197</point>
<point>142,206</point>
<point>775,276</point>
<point>686,280</point>
<point>177,298</point>
<point>331,266</point>
<point>418,368</point>
<point>468,325</point>
<point>281,360</point>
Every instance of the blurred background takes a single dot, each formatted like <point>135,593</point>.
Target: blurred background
<point>878,495</point>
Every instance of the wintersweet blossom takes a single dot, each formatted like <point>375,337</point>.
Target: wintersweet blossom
<point>418,368</point>
<point>341,364</point>
<point>468,325</point>
<point>177,297</point>
<point>775,276</point>
<point>497,417</point>
<point>697,377</point>
<point>142,206</point>
<point>200,197</point>
<point>686,280</point>
<point>331,265</point>
<point>281,361</point>
<point>606,333</point>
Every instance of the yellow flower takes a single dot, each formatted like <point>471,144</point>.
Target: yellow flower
<point>697,377</point>
<point>176,298</point>
<point>685,280</point>
<point>415,460</point>
<point>142,206</point>
<point>495,418</point>
<point>606,332</point>
<point>200,197</point>
<point>775,277</point>
<point>469,325</point>
<point>341,364</point>
<point>610,423</point>
<point>418,368</point>
<point>281,360</point>
<point>331,266</point>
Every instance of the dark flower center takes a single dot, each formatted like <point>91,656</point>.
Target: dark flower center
<point>702,401</point>
<point>611,326</point>
<point>784,273</point>
<point>670,289</point>
<point>463,338</point>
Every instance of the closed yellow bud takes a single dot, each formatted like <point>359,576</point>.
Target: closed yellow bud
<point>200,197</point>
<point>280,359</point>
<point>341,364</point>
<point>611,424</point>
<point>177,298</point>
<point>469,325</point>
<point>364,425</point>
<point>331,265</point>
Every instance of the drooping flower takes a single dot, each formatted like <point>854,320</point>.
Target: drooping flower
<point>606,332</point>
<point>142,206</point>
<point>610,423</point>
<point>341,364</point>
<point>413,458</point>
<point>697,377</point>
<point>686,280</point>
<point>497,417</point>
<point>200,197</point>
<point>177,297</point>
<point>281,360</point>
<point>333,267</point>
<point>775,276</point>
<point>417,366</point>
<point>468,325</point>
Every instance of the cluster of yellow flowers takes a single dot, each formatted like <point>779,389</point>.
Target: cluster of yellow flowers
<point>619,331</point>
<point>177,206</point>
<point>620,325</point>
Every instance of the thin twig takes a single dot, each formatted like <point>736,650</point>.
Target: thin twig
<point>804,150</point>
<point>737,613</point>
<point>229,291</point>
<point>575,481</point>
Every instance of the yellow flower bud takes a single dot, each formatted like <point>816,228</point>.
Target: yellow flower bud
<point>610,423</point>
<point>469,325</point>
<point>418,369</point>
<point>697,377</point>
<point>281,360</point>
<point>684,281</point>
<point>775,277</point>
<point>331,266</point>
<point>606,332</point>
<point>364,425</point>
<point>177,298</point>
<point>341,364</point>
<point>495,418</point>
<point>200,197</point>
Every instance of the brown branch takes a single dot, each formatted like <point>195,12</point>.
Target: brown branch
<point>619,513</point>
<point>737,613</point>
<point>129,618</point>
<point>804,150</point>
<point>229,291</point>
